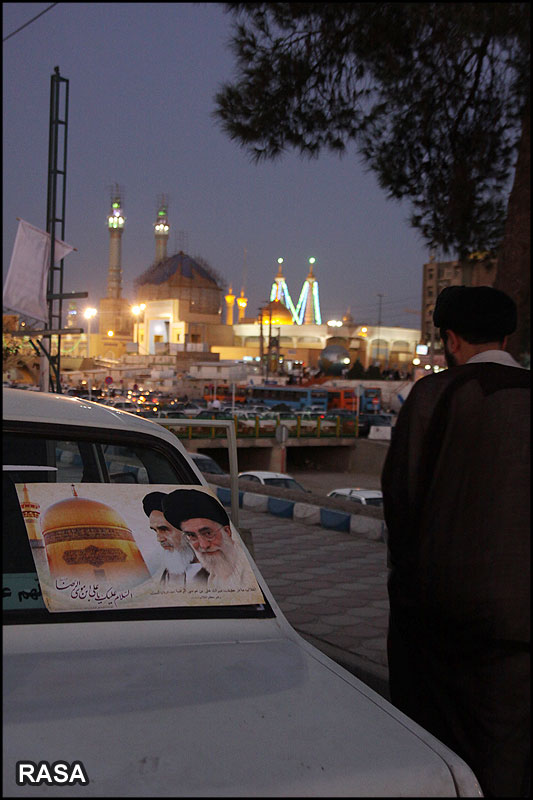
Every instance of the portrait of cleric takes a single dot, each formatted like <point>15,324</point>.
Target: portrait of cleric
<point>205,526</point>
<point>180,568</point>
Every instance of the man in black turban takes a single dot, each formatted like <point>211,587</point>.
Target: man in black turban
<point>206,526</point>
<point>180,566</point>
<point>473,315</point>
<point>456,489</point>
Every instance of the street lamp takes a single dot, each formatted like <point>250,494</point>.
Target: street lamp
<point>89,313</point>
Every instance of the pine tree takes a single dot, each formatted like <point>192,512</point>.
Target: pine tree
<point>433,97</point>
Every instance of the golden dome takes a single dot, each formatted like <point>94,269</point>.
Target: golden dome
<point>280,313</point>
<point>80,512</point>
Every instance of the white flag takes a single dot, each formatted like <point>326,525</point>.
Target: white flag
<point>27,279</point>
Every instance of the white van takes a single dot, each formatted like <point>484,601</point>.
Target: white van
<point>165,693</point>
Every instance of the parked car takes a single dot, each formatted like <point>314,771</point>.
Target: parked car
<point>365,422</point>
<point>192,409</point>
<point>271,479</point>
<point>211,698</point>
<point>123,405</point>
<point>366,497</point>
<point>207,465</point>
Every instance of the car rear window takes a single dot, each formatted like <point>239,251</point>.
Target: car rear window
<point>46,467</point>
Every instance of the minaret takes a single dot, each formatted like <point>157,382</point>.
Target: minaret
<point>242,302</point>
<point>161,229</point>
<point>31,512</point>
<point>308,308</point>
<point>114,318</point>
<point>280,290</point>
<point>115,223</point>
<point>230,302</point>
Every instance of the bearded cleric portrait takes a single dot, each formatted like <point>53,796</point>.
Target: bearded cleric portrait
<point>180,567</point>
<point>205,525</point>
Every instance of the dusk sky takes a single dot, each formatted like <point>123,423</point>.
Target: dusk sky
<point>142,80</point>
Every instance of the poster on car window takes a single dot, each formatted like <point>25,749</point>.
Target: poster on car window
<point>112,546</point>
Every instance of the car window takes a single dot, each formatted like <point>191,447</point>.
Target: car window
<point>285,483</point>
<point>206,464</point>
<point>356,499</point>
<point>42,455</point>
<point>374,501</point>
<point>89,459</point>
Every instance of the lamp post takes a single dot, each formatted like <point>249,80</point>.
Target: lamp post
<point>89,313</point>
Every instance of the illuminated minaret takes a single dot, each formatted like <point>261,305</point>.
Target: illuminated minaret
<point>308,308</point>
<point>280,291</point>
<point>161,229</point>
<point>242,302</point>
<point>115,223</point>
<point>114,318</point>
<point>230,302</point>
<point>31,512</point>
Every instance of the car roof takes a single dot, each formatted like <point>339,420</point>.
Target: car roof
<point>263,474</point>
<point>361,492</point>
<point>66,410</point>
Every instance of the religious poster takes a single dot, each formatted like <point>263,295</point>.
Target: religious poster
<point>113,546</point>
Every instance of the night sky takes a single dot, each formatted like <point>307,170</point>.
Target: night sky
<point>142,80</point>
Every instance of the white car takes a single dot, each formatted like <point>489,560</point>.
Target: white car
<point>123,405</point>
<point>366,497</point>
<point>122,694</point>
<point>207,465</point>
<point>265,478</point>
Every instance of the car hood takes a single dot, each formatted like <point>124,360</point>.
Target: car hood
<point>158,709</point>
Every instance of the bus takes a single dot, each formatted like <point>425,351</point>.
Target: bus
<point>342,399</point>
<point>224,393</point>
<point>295,397</point>
<point>370,400</point>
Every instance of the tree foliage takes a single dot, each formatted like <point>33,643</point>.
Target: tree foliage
<point>431,95</point>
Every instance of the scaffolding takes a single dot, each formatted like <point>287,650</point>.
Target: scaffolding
<point>55,216</point>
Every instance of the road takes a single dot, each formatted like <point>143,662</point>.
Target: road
<point>324,482</point>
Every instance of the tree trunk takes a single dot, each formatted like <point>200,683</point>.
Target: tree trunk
<point>513,275</point>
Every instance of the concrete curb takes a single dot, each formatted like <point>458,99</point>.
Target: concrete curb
<point>367,527</point>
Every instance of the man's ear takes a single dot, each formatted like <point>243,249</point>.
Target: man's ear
<point>453,341</point>
<point>228,530</point>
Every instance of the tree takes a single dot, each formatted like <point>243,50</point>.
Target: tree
<point>432,95</point>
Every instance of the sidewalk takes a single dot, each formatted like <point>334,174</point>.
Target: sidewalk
<point>331,586</point>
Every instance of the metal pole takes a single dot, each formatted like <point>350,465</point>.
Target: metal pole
<point>269,350</point>
<point>379,332</point>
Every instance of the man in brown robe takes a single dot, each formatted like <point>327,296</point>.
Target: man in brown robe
<point>456,500</point>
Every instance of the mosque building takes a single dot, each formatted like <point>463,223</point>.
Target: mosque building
<point>177,316</point>
<point>178,303</point>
